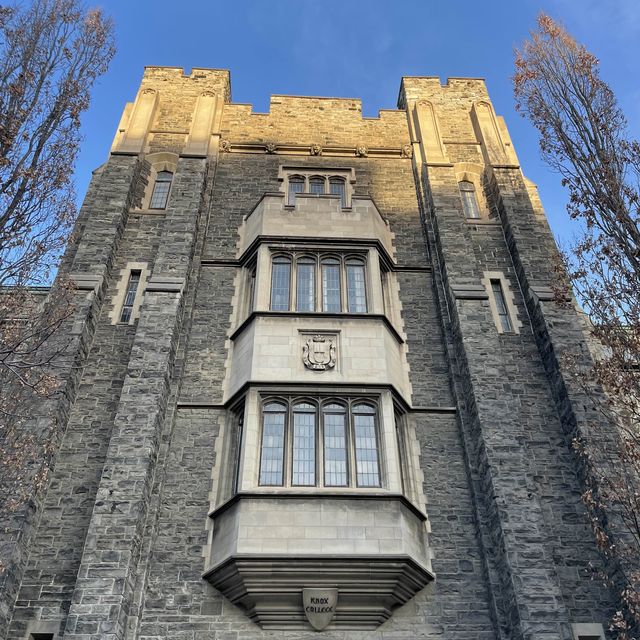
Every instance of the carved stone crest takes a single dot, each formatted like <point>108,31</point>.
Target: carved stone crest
<point>362,151</point>
<point>319,606</point>
<point>270,147</point>
<point>315,150</point>
<point>225,145</point>
<point>407,151</point>
<point>319,353</point>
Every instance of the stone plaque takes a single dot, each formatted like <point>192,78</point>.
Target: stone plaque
<point>319,606</point>
<point>319,353</point>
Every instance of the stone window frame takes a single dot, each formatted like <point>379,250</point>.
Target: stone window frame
<point>509,299</point>
<point>318,256</point>
<point>587,631</point>
<point>306,173</point>
<point>319,401</point>
<point>161,161</point>
<point>121,292</point>
<point>470,172</point>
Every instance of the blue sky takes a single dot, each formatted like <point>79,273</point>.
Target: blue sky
<point>357,48</point>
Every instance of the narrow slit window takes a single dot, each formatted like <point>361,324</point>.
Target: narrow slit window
<point>296,185</point>
<point>280,280</point>
<point>501,306</point>
<point>161,189</point>
<point>316,185</point>
<point>366,446</point>
<point>337,188</point>
<point>331,285</point>
<point>304,445</point>
<point>306,284</point>
<point>130,296</point>
<point>356,289</point>
<point>469,200</point>
<point>335,445</point>
<point>272,456</point>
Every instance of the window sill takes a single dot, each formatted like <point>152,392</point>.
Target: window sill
<point>317,314</point>
<point>320,493</point>
<point>147,212</point>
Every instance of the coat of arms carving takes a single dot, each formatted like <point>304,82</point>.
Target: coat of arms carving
<point>319,353</point>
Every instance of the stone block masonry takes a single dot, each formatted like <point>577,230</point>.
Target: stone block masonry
<point>158,472</point>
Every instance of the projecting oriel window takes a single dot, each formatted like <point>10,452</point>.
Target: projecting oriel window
<point>161,189</point>
<point>328,283</point>
<point>130,296</point>
<point>346,432</point>
<point>318,182</point>
<point>469,200</point>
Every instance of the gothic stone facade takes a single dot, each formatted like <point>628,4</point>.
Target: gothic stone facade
<point>312,351</point>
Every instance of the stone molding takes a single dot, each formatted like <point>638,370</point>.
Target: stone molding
<point>166,284</point>
<point>87,281</point>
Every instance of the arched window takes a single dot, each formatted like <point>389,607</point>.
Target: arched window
<point>469,200</point>
<point>337,188</point>
<point>272,454</point>
<point>316,185</point>
<point>306,284</point>
<point>346,432</point>
<point>303,457</point>
<point>280,283</point>
<point>366,446</point>
<point>331,285</point>
<point>296,185</point>
<point>161,190</point>
<point>334,417</point>
<point>356,289</point>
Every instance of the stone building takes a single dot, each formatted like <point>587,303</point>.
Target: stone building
<point>316,384</point>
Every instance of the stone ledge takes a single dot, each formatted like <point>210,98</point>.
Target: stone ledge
<point>165,284</point>
<point>269,588</point>
<point>87,281</point>
<point>469,292</point>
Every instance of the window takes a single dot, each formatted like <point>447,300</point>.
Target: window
<point>296,185</point>
<point>130,296</point>
<point>469,200</point>
<point>356,296</point>
<point>501,306</point>
<point>319,281</point>
<point>161,190</point>
<point>280,278</point>
<point>333,443</point>
<point>337,188</point>
<point>300,181</point>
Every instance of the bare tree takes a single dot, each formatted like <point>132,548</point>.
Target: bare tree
<point>51,52</point>
<point>583,135</point>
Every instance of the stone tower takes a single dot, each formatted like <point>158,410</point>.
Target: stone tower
<point>318,385</point>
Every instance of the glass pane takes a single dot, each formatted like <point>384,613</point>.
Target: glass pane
<point>316,185</point>
<point>161,190</point>
<point>306,286</point>
<point>356,293</point>
<point>364,427</point>
<point>304,446</point>
<point>469,202</point>
<point>296,185</point>
<point>336,187</point>
<point>331,286</point>
<point>280,273</point>
<point>501,305</point>
<point>130,296</point>
<point>335,446</point>
<point>272,454</point>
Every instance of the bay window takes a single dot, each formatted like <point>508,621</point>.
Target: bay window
<point>322,283</point>
<point>332,443</point>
